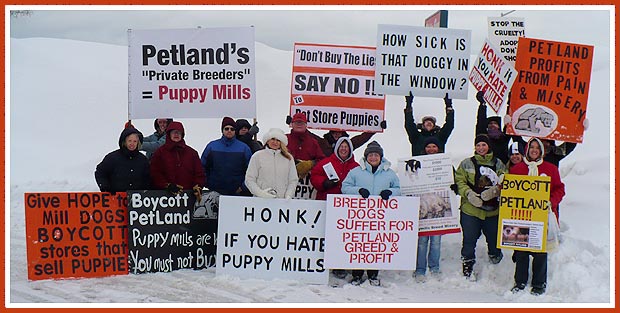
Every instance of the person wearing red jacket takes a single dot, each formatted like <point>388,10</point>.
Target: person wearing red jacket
<point>342,160</point>
<point>175,165</point>
<point>534,165</point>
<point>302,146</point>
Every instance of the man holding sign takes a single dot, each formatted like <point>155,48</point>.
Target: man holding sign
<point>534,165</point>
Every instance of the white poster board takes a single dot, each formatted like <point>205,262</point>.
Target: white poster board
<point>430,62</point>
<point>371,233</point>
<point>271,238</point>
<point>429,177</point>
<point>504,33</point>
<point>192,73</point>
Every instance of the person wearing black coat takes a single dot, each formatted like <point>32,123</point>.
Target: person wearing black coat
<point>126,168</point>
<point>492,127</point>
<point>428,128</point>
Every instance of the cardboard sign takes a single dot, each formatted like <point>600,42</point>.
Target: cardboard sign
<point>371,233</point>
<point>493,75</point>
<point>192,73</point>
<point>429,177</point>
<point>523,213</point>
<point>550,94</point>
<point>430,62</point>
<point>76,234</point>
<point>272,238</point>
<point>334,87</point>
<point>504,33</point>
<point>170,232</point>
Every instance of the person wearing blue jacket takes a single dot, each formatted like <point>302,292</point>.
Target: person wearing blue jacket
<point>373,177</point>
<point>225,162</point>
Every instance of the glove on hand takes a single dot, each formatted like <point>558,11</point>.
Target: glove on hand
<point>364,192</point>
<point>303,167</point>
<point>447,101</point>
<point>197,192</point>
<point>490,193</point>
<point>174,189</point>
<point>267,193</point>
<point>289,119</point>
<point>383,124</point>
<point>480,97</point>
<point>408,100</point>
<point>455,188</point>
<point>254,129</point>
<point>330,183</point>
<point>385,194</point>
<point>474,198</point>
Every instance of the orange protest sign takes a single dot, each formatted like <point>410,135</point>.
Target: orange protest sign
<point>550,95</point>
<point>75,234</point>
<point>334,86</point>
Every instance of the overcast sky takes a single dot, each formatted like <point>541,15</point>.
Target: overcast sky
<point>281,26</point>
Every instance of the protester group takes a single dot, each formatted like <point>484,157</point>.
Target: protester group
<point>237,164</point>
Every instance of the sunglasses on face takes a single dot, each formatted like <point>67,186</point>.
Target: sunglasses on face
<point>229,128</point>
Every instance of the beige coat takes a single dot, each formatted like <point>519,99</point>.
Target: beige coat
<point>270,169</point>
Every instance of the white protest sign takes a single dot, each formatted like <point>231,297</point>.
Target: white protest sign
<point>429,177</point>
<point>192,73</point>
<point>430,62</point>
<point>271,238</point>
<point>371,233</point>
<point>304,189</point>
<point>330,171</point>
<point>492,74</point>
<point>504,33</point>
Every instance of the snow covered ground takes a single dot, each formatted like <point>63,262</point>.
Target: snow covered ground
<point>68,104</point>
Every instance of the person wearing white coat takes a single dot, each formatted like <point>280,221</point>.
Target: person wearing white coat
<point>271,172</point>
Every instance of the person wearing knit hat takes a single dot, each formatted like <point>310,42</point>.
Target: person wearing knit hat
<point>478,180</point>
<point>246,133</point>
<point>428,127</point>
<point>373,176</point>
<point>516,152</point>
<point>534,165</point>
<point>431,145</point>
<point>271,172</point>
<point>225,161</point>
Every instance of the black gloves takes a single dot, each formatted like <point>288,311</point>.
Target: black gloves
<point>408,100</point>
<point>253,130</point>
<point>330,183</point>
<point>289,119</point>
<point>448,102</point>
<point>385,194</point>
<point>174,189</point>
<point>383,124</point>
<point>455,188</point>
<point>480,97</point>
<point>364,193</point>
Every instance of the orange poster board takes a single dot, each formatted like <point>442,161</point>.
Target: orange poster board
<point>334,86</point>
<point>550,95</point>
<point>76,234</point>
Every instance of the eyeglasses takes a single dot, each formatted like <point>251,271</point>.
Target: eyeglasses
<point>229,128</point>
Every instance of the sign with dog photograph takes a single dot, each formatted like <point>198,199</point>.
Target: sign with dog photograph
<point>371,233</point>
<point>549,97</point>
<point>523,213</point>
<point>429,177</point>
<point>272,239</point>
<point>169,232</point>
<point>335,87</point>
<point>76,234</point>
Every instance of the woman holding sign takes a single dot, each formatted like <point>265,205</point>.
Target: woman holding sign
<point>534,165</point>
<point>271,172</point>
<point>373,176</point>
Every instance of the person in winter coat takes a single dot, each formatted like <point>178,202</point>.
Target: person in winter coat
<point>125,168</point>
<point>342,160</point>
<point>328,141</point>
<point>428,255</point>
<point>225,161</point>
<point>245,133</point>
<point>534,165</point>
<point>373,177</point>
<point>515,152</point>
<point>176,166</point>
<point>157,139</point>
<point>478,179</point>
<point>428,128</point>
<point>272,173</point>
<point>302,146</point>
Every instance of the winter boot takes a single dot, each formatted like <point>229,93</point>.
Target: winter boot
<point>495,259</point>
<point>538,290</point>
<point>356,281</point>
<point>374,280</point>
<point>518,287</point>
<point>468,267</point>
